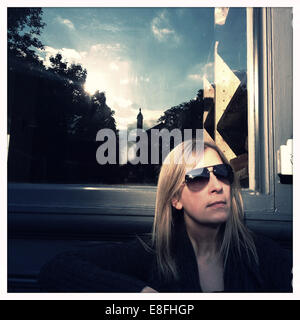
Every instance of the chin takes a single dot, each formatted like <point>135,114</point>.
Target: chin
<point>218,216</point>
<point>214,218</point>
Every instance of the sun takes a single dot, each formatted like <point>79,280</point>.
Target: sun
<point>94,82</point>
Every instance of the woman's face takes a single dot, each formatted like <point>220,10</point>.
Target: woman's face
<point>210,203</point>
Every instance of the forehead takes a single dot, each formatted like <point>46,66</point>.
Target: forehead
<point>211,158</point>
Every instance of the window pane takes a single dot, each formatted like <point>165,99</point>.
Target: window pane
<point>73,72</point>
<point>231,123</point>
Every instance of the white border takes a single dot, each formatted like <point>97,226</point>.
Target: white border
<point>147,3</point>
<point>3,152</point>
<point>296,156</point>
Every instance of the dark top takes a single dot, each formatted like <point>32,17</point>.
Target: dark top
<point>129,267</point>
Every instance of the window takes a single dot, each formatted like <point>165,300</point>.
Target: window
<point>127,68</point>
<point>120,69</point>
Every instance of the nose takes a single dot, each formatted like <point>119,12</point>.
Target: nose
<point>215,185</point>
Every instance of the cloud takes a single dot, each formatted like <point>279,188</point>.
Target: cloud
<point>69,55</point>
<point>105,49</point>
<point>162,33</point>
<point>109,70</point>
<point>200,70</point>
<point>113,66</point>
<point>144,79</point>
<point>162,29</point>
<point>123,103</point>
<point>68,23</point>
<point>95,25</point>
<point>125,112</point>
<point>135,80</point>
<point>124,81</point>
<point>195,77</point>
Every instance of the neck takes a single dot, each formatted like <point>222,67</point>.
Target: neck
<point>203,238</point>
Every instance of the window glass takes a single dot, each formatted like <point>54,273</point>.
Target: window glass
<point>80,79</point>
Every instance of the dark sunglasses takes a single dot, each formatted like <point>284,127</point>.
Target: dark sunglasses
<point>198,177</point>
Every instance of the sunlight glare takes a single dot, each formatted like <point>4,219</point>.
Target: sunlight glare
<point>94,82</point>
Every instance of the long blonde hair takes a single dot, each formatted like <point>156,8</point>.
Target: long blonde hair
<point>171,176</point>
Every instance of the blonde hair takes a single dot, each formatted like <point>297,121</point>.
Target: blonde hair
<point>171,177</point>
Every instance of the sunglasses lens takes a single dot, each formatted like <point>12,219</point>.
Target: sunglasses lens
<point>197,178</point>
<point>197,183</point>
<point>223,172</point>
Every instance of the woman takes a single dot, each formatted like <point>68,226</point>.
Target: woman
<point>199,241</point>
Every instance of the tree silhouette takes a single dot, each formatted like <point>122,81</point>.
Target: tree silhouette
<point>187,115</point>
<point>23,26</point>
<point>51,119</point>
<point>102,112</point>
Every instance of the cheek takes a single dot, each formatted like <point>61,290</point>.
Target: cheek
<point>192,202</point>
<point>200,198</point>
<point>227,192</point>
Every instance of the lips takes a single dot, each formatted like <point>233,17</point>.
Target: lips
<point>217,204</point>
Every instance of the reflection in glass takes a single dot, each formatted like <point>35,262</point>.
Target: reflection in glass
<point>231,123</point>
<point>75,71</point>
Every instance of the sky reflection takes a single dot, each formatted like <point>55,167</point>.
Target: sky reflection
<point>149,58</point>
